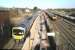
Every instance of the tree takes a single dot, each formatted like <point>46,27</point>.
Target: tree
<point>35,8</point>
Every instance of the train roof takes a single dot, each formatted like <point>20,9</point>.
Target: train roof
<point>50,14</point>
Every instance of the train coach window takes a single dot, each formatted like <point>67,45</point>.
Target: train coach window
<point>18,32</point>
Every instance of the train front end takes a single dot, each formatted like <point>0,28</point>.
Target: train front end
<point>18,33</point>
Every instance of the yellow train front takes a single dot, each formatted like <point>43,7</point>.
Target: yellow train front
<point>18,33</point>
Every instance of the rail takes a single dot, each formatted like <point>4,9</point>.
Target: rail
<point>68,33</point>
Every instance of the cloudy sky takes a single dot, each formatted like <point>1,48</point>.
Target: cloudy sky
<point>39,3</point>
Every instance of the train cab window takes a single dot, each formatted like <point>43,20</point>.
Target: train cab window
<point>18,32</point>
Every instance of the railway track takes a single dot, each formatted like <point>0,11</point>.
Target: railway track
<point>66,33</point>
<point>66,30</point>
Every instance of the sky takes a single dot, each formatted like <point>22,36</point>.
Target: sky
<point>43,4</point>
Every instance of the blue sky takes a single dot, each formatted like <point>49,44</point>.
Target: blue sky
<point>39,3</point>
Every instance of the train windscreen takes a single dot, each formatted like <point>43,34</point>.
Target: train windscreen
<point>18,32</point>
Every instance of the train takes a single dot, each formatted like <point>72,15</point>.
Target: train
<point>53,16</point>
<point>18,33</point>
<point>18,29</point>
